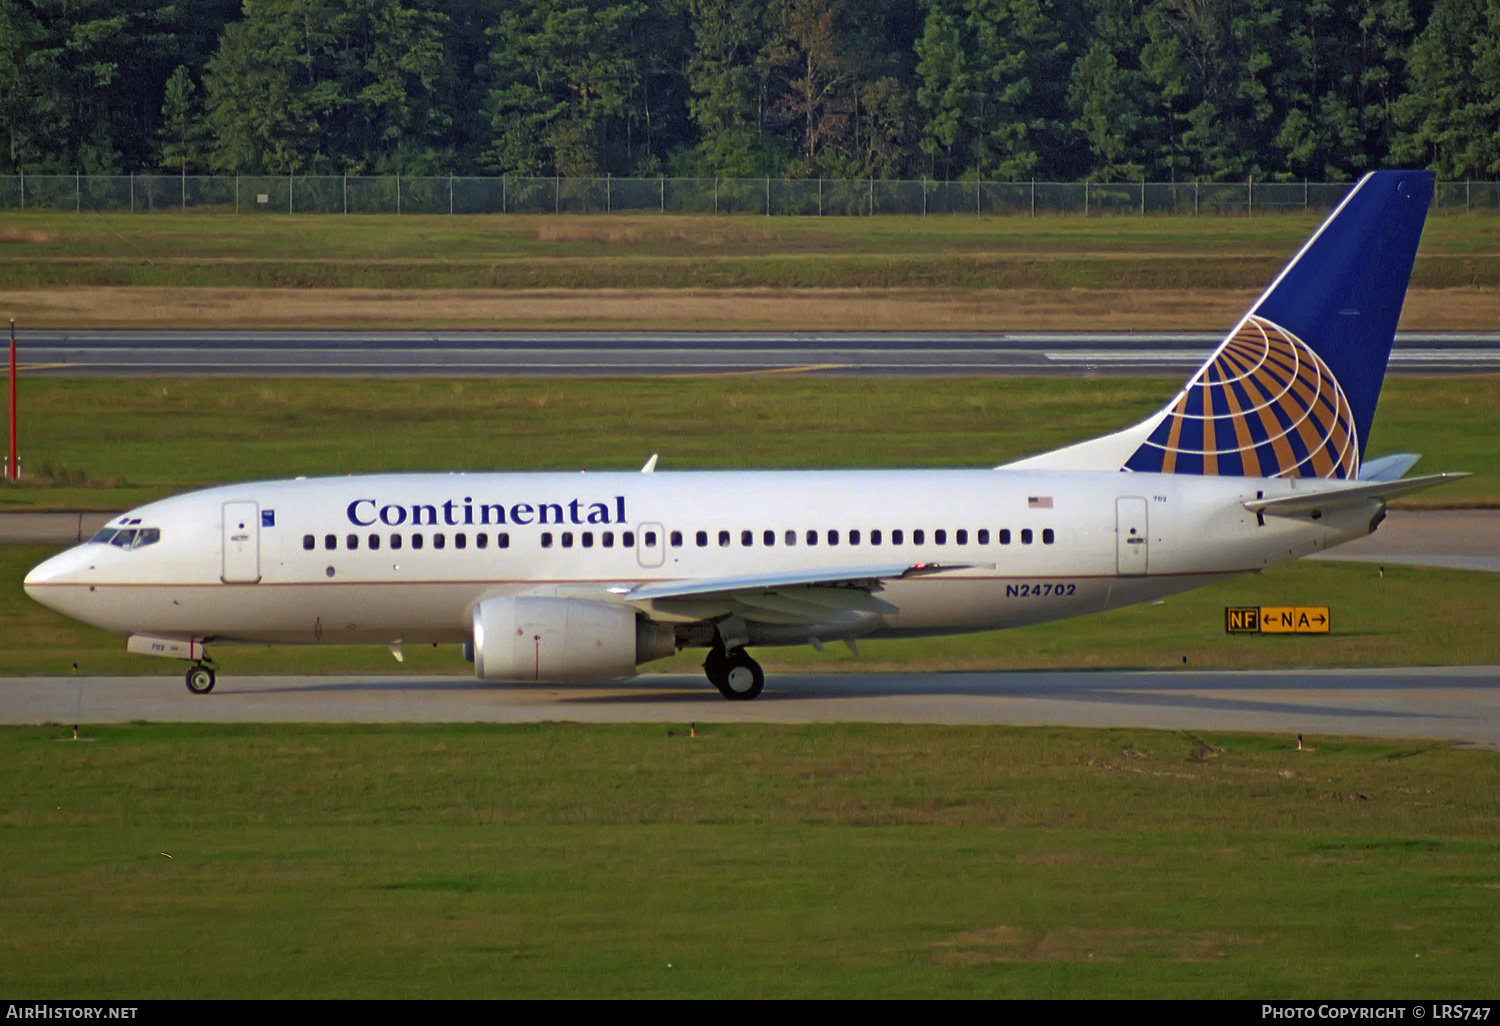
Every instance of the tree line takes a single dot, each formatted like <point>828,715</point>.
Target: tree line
<point>950,89</point>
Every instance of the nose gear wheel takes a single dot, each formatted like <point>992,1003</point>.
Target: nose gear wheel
<point>200,679</point>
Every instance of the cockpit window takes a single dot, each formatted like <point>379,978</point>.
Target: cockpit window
<point>128,538</point>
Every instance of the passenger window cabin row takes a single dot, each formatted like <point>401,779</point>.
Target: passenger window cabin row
<point>372,541</point>
<point>832,537</point>
<point>724,539</point>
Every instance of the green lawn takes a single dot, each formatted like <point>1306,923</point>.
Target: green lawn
<point>750,861</point>
<point>54,248</point>
<point>113,444</point>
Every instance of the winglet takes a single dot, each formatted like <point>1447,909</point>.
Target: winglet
<point>650,467</point>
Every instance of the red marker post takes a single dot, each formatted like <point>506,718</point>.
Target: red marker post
<point>13,467</point>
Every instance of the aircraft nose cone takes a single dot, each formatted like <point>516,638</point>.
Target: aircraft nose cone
<point>50,572</point>
<point>63,584</point>
<point>40,574</point>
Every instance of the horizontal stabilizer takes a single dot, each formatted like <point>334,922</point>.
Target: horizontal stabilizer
<point>1324,500</point>
<point>1388,468</point>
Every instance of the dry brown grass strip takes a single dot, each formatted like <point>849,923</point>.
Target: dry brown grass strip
<point>686,309</point>
<point>1071,944</point>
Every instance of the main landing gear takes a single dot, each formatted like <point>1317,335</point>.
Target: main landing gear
<point>200,679</point>
<point>738,677</point>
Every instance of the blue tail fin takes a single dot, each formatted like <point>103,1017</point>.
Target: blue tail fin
<point>1292,391</point>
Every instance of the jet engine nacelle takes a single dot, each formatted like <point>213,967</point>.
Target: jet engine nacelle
<point>556,640</point>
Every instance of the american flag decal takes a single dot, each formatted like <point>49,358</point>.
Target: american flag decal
<point>1039,502</point>
<point>1265,406</point>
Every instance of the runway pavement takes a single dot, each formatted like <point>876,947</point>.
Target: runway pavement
<point>119,353</point>
<point>1460,704</point>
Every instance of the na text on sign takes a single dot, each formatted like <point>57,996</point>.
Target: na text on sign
<point>1276,620</point>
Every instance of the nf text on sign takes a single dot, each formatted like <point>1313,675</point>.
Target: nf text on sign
<point>1276,620</point>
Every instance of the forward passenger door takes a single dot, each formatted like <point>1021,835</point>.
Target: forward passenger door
<point>241,543</point>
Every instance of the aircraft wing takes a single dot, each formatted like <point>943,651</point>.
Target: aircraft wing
<point>1312,503</point>
<point>807,597</point>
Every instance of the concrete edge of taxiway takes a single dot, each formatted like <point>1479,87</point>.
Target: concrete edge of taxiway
<point>1446,704</point>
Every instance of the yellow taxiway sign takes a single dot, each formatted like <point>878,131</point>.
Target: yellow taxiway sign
<point>1276,620</point>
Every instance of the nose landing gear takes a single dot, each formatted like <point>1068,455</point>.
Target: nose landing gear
<point>738,677</point>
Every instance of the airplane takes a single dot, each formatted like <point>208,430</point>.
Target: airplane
<point>584,577</point>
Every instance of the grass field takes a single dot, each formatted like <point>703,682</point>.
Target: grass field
<point>65,269</point>
<point>103,445</point>
<point>749,861</point>
<point>631,251</point>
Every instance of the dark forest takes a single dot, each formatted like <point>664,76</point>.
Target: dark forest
<point>1102,90</point>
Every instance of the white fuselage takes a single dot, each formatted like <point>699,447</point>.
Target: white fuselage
<point>336,560</point>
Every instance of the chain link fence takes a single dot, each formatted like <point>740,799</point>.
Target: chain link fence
<point>809,197</point>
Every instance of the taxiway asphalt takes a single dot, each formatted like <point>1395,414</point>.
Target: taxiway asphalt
<point>1457,704</point>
